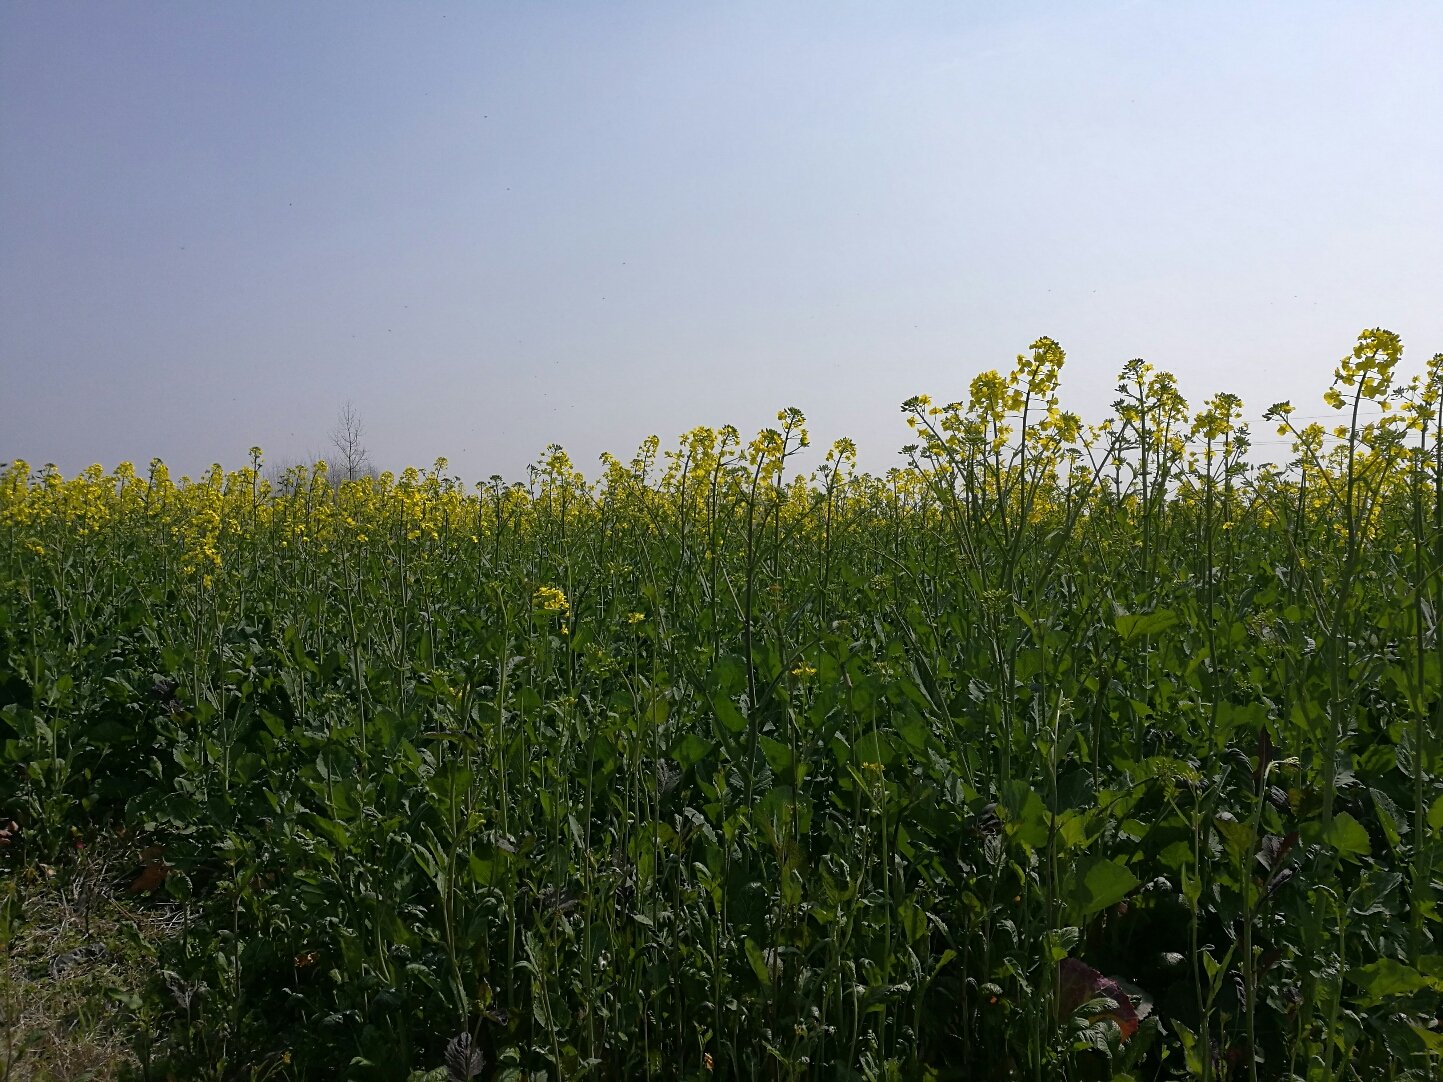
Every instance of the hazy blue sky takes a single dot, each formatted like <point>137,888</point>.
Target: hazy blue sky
<point>493,226</point>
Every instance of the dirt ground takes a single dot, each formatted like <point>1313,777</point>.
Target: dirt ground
<point>77,947</point>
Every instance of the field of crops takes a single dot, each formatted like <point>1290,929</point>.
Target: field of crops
<point>1067,751</point>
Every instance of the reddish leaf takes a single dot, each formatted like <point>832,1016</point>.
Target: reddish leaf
<point>1078,983</point>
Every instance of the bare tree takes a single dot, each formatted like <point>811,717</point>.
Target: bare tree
<point>354,462</point>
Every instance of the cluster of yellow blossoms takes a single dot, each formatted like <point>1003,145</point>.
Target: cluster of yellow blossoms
<point>1010,452</point>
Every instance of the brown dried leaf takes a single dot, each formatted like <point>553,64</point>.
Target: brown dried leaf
<point>149,878</point>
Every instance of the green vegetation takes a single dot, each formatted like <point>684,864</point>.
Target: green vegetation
<point>1066,752</point>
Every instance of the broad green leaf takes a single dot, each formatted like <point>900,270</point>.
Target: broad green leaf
<point>913,920</point>
<point>1394,825</point>
<point>1177,855</point>
<point>1347,835</point>
<point>1239,838</point>
<point>489,869</point>
<point>1071,830</point>
<point>1192,1051</point>
<point>1100,882</point>
<point>780,806</point>
<point>728,714</point>
<point>779,758</point>
<point>1387,977</point>
<point>1025,815</point>
<point>1136,625</point>
<point>915,732</point>
<point>730,674</point>
<point>758,961</point>
<point>109,732</point>
<point>1435,814</point>
<point>1431,1040</point>
<point>690,750</point>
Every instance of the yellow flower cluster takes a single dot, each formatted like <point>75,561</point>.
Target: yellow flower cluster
<point>551,599</point>
<point>1007,457</point>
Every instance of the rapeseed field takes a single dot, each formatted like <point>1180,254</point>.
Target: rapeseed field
<point>1065,750</point>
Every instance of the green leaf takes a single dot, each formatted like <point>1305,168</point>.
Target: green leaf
<point>1394,825</point>
<point>728,714</point>
<point>1435,814</point>
<point>779,807</point>
<point>486,871</point>
<point>103,733</point>
<point>1387,977</point>
<point>779,758</point>
<point>730,674</point>
<point>690,750</point>
<point>1239,838</point>
<point>759,962</point>
<point>1347,835</point>
<point>1100,882</point>
<point>1192,1051</point>
<point>1136,625</point>
<point>1432,1041</point>
<point>1026,816</point>
<point>332,830</point>
<point>1059,943</point>
<point>915,731</point>
<point>913,920</point>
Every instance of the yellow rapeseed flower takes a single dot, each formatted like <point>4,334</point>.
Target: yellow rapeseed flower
<point>551,599</point>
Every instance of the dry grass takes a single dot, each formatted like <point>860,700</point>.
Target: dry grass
<point>76,950</point>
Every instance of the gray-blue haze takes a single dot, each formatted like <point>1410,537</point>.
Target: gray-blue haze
<point>494,226</point>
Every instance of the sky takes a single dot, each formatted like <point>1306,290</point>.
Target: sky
<point>494,226</point>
